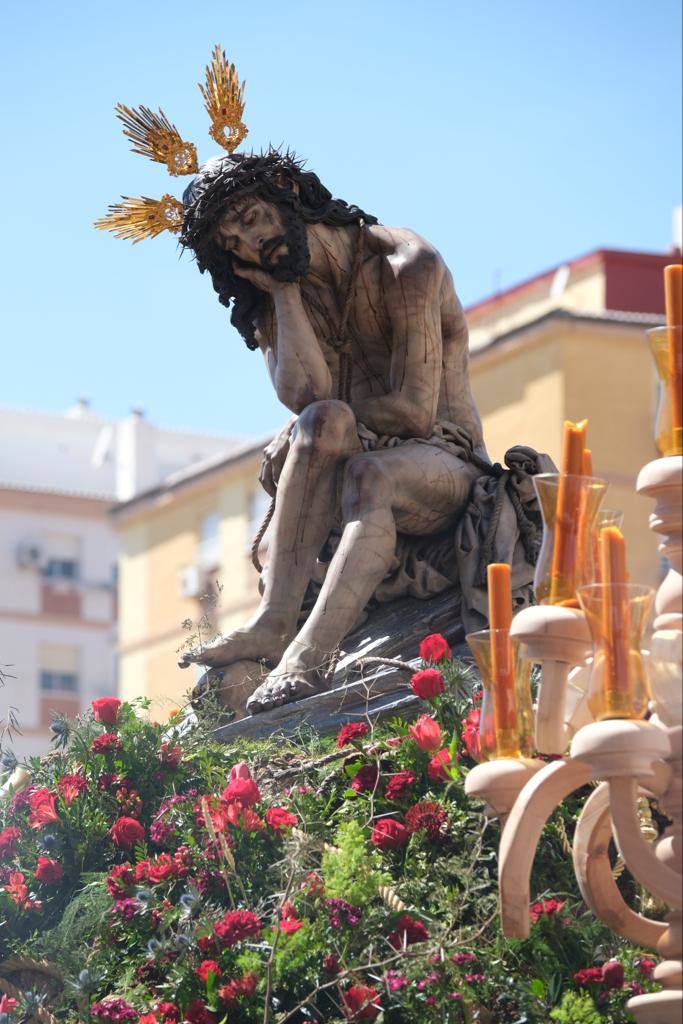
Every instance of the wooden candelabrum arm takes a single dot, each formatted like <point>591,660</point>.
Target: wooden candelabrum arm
<point>534,805</point>
<point>594,874</point>
<point>658,878</point>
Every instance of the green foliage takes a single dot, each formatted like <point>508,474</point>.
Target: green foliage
<point>351,871</point>
<point>576,1008</point>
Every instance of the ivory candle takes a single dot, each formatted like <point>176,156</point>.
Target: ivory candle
<point>502,661</point>
<point>673,296</point>
<point>568,512</point>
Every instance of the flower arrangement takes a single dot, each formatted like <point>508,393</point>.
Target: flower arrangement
<point>177,880</point>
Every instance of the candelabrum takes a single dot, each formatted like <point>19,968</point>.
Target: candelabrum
<point>628,758</point>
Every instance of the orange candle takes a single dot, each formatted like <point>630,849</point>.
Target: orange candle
<point>502,662</point>
<point>615,622</point>
<point>587,462</point>
<point>568,512</point>
<point>673,295</point>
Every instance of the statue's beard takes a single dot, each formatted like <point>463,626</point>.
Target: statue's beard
<point>294,263</point>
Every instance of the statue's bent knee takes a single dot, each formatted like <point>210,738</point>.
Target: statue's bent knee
<point>365,483</point>
<point>326,426</point>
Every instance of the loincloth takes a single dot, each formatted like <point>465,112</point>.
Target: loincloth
<point>447,436</point>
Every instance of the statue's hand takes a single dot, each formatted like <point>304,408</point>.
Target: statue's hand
<point>274,455</point>
<point>264,281</point>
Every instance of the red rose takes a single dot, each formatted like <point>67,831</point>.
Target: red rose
<point>244,986</point>
<point>352,731</point>
<point>49,871</point>
<point>437,767</point>
<point>434,647</point>
<point>279,819</point>
<point>613,974</point>
<point>240,771</point>
<point>7,1003</point>
<point>588,976</point>
<point>331,963</point>
<point>8,839</point>
<point>389,834</point>
<point>365,779</point>
<point>207,967</point>
<point>237,925</point>
<point>426,733</point>
<point>106,743</point>
<point>126,832</point>
<point>167,1011</point>
<point>362,1003</point>
<point>399,785</point>
<point>407,931</point>
<point>106,710</point>
<point>646,966</point>
<point>161,868</point>
<point>243,791</point>
<point>42,805</point>
<point>170,756</point>
<point>427,683</point>
<point>70,786</point>
<point>470,734</point>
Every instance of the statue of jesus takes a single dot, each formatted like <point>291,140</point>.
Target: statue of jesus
<point>365,341</point>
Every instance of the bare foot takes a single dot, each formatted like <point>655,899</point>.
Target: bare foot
<point>255,642</point>
<point>284,685</point>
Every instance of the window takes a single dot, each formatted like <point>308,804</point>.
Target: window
<point>59,668</point>
<point>62,559</point>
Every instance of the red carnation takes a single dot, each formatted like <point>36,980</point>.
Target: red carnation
<point>106,710</point>
<point>167,1011</point>
<point>8,839</point>
<point>437,767</point>
<point>207,967</point>
<point>197,1013</point>
<point>170,756</point>
<point>106,743</point>
<point>126,832</point>
<point>237,925</point>
<point>362,1003</point>
<point>426,815</point>
<point>279,819</point>
<point>434,647</point>
<point>70,786</point>
<point>613,974</point>
<point>244,986</point>
<point>352,731</point>
<point>49,871</point>
<point>42,805</point>
<point>588,976</point>
<point>426,733</point>
<point>243,791</point>
<point>545,908</point>
<point>331,963</point>
<point>399,785</point>
<point>407,931</point>
<point>389,834</point>
<point>365,778</point>
<point>427,683</point>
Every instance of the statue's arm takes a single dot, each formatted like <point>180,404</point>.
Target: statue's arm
<point>295,361</point>
<point>412,288</point>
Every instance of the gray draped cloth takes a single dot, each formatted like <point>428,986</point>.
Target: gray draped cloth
<point>500,522</point>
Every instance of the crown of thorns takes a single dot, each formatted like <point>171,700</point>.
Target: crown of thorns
<point>154,136</point>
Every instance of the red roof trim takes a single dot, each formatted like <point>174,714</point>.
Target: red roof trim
<point>596,255</point>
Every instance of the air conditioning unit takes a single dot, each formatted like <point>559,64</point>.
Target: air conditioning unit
<point>29,555</point>
<point>191,582</point>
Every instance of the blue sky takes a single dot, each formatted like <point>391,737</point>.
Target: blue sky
<point>512,135</point>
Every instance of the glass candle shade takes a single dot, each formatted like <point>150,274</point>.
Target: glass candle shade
<point>617,615</point>
<point>506,723</point>
<point>667,348</point>
<point>569,506</point>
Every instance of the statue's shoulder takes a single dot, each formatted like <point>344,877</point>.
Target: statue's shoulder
<point>405,252</point>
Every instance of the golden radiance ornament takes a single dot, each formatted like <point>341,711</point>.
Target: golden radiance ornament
<point>143,218</point>
<point>155,137</point>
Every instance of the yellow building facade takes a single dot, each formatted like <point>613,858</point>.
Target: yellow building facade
<point>568,344</point>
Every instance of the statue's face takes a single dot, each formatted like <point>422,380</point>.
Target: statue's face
<point>266,235</point>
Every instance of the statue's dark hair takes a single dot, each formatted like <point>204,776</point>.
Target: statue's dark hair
<point>269,175</point>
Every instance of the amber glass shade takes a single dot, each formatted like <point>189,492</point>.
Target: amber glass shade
<point>557,583</point>
<point>617,614</point>
<point>497,741</point>
<point>666,344</point>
